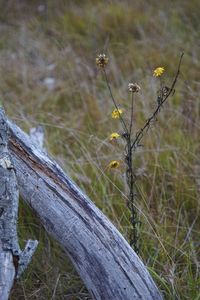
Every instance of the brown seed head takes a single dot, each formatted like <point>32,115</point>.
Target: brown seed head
<point>101,60</point>
<point>134,88</point>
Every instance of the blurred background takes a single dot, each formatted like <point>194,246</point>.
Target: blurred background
<point>48,76</point>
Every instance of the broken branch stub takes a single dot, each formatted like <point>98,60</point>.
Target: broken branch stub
<point>13,261</point>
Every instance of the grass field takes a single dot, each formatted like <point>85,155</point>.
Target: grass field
<point>48,76</point>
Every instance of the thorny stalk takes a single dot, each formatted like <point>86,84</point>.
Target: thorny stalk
<point>132,143</point>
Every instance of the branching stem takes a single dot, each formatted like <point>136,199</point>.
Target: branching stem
<point>147,124</point>
<point>132,144</point>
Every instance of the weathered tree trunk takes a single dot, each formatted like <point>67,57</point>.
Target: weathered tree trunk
<point>106,263</point>
<point>13,261</point>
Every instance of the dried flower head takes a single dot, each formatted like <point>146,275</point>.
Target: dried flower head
<point>165,90</point>
<point>134,88</point>
<point>114,164</point>
<point>101,60</point>
<point>116,113</point>
<point>158,71</point>
<point>114,136</point>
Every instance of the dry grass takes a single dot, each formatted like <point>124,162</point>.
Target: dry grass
<point>60,41</point>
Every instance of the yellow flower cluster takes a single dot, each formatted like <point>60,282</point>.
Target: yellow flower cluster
<point>114,164</point>
<point>114,136</point>
<point>158,71</point>
<point>116,113</point>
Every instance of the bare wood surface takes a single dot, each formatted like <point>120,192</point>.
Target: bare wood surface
<point>106,263</point>
<point>9,246</point>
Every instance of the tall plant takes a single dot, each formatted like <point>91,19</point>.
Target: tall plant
<point>132,140</point>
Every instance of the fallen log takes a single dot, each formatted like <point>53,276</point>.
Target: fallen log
<point>104,260</point>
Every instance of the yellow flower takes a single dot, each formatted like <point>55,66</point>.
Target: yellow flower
<point>114,136</point>
<point>114,164</point>
<point>158,71</point>
<point>116,113</point>
<point>101,60</point>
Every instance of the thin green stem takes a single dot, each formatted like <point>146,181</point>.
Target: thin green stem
<point>131,122</point>
<point>114,102</point>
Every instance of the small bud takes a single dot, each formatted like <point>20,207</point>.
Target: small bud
<point>125,135</point>
<point>165,90</point>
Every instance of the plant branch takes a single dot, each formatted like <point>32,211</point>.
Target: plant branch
<point>147,124</point>
<point>114,102</point>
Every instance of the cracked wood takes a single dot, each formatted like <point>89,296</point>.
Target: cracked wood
<point>106,263</point>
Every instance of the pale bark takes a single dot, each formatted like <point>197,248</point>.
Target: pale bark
<point>13,261</point>
<point>106,263</point>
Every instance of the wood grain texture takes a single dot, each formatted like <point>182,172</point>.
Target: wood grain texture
<point>13,261</point>
<point>8,214</point>
<point>106,263</point>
